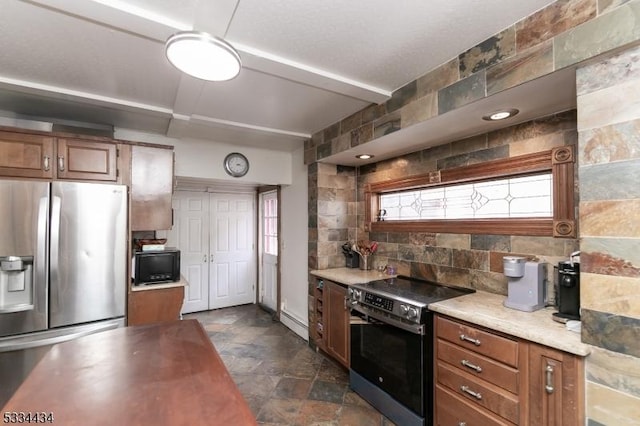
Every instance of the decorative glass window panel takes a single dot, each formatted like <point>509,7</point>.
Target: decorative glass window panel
<point>270,224</point>
<point>528,196</point>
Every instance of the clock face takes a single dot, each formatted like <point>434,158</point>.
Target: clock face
<point>236,164</point>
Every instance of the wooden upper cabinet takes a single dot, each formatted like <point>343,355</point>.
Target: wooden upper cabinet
<point>25,155</point>
<point>151,188</point>
<point>86,160</point>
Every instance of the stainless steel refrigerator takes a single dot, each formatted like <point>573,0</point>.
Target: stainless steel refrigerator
<point>63,252</point>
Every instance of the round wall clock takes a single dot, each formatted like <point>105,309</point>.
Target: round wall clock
<point>236,164</point>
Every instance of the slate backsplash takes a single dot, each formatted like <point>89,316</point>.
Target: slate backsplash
<point>470,260</point>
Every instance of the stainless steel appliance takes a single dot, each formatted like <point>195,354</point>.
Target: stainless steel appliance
<point>568,290</point>
<point>392,345</point>
<point>63,251</point>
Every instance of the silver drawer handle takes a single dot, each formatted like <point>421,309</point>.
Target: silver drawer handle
<point>470,340</point>
<point>474,367</point>
<point>462,423</point>
<point>61,163</point>
<point>549,387</point>
<point>46,163</point>
<point>468,391</point>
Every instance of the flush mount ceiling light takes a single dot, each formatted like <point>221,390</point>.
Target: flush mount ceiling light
<point>500,115</point>
<point>203,56</point>
<point>364,156</point>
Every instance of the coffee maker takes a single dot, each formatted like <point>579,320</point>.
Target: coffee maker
<point>568,289</point>
<point>527,289</point>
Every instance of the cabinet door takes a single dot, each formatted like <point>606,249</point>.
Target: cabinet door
<point>154,305</point>
<point>556,391</point>
<point>336,322</point>
<point>24,155</point>
<point>86,160</point>
<point>151,188</point>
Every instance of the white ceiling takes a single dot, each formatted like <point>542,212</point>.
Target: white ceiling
<point>306,63</point>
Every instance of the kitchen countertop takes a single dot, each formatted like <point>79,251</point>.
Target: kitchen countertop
<point>349,276</point>
<point>487,310</point>
<point>180,283</point>
<point>161,374</point>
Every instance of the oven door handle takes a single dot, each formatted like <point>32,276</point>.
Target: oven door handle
<point>411,328</point>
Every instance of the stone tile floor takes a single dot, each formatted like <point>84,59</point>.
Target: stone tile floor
<point>283,380</point>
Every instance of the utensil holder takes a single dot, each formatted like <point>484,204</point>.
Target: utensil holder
<point>365,262</point>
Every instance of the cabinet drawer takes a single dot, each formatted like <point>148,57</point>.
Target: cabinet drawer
<point>478,392</point>
<point>451,410</point>
<point>478,365</point>
<point>477,340</point>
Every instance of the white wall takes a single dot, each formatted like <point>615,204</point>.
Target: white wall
<point>203,159</point>
<point>294,242</point>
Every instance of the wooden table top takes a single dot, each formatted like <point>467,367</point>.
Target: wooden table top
<point>160,374</point>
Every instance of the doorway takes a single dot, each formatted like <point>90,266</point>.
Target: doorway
<point>268,271</point>
<point>215,233</point>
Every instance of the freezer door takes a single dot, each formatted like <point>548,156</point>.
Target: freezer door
<point>88,252</point>
<point>24,212</point>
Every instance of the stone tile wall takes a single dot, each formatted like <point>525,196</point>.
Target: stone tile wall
<point>561,35</point>
<point>609,176</point>
<point>464,259</point>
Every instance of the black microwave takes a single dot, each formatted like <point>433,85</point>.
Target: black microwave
<point>154,267</point>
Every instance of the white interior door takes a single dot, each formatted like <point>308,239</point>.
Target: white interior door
<point>190,234</point>
<point>232,270</point>
<point>269,250</point>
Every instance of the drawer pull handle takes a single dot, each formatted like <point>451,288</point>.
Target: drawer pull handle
<point>549,387</point>
<point>47,166</point>
<point>61,163</point>
<point>474,367</point>
<point>462,423</point>
<point>470,340</point>
<point>468,391</point>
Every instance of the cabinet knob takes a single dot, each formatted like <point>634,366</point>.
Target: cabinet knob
<point>474,367</point>
<point>466,338</point>
<point>549,375</point>
<point>476,395</point>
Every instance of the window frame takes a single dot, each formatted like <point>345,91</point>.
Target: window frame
<point>559,161</point>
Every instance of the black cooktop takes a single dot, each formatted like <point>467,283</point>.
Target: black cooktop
<point>413,290</point>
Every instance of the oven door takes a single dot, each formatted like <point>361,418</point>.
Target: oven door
<point>391,358</point>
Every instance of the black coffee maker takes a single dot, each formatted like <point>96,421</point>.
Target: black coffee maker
<point>568,289</point>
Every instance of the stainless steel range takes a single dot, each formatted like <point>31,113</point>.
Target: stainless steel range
<point>392,345</point>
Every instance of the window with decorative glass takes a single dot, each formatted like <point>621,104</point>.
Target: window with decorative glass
<point>526,195</point>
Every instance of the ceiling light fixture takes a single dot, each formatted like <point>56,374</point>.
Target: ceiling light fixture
<point>500,115</point>
<point>364,156</point>
<point>203,56</point>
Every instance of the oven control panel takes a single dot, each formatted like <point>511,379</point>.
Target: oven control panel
<point>379,302</point>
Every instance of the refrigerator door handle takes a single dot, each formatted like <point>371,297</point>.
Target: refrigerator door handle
<point>35,340</point>
<point>40,262</point>
<point>55,252</point>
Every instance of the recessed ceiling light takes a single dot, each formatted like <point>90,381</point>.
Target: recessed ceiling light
<point>203,56</point>
<point>364,156</point>
<point>500,115</point>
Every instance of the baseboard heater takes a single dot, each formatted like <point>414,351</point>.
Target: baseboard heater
<point>295,324</point>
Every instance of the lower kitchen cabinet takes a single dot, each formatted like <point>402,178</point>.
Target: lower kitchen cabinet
<point>330,331</point>
<point>336,322</point>
<point>556,387</point>
<point>485,377</point>
<point>152,305</point>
